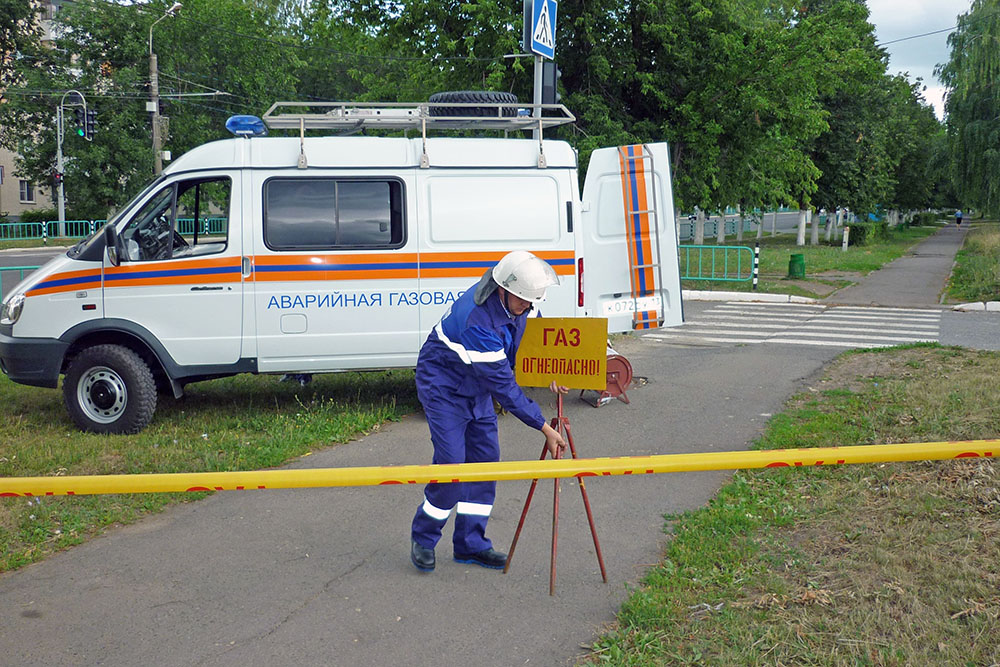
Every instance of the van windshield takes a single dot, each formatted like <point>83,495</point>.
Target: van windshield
<point>91,247</point>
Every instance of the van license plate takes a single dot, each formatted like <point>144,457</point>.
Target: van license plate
<point>625,306</point>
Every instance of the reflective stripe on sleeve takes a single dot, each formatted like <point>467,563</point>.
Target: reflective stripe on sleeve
<point>476,509</point>
<point>468,356</point>
<point>435,512</point>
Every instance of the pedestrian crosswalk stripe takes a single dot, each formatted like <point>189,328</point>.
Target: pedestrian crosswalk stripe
<point>820,334</point>
<point>912,329</point>
<point>769,318</point>
<point>806,324</point>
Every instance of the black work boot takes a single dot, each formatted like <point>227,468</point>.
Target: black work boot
<point>422,557</point>
<point>491,558</point>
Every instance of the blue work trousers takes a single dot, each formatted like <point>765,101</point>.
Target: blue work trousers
<point>460,434</point>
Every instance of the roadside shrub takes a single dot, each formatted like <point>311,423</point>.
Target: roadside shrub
<point>39,215</point>
<point>864,233</point>
<point>924,218</point>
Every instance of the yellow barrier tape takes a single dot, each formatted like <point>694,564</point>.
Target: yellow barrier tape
<point>503,470</point>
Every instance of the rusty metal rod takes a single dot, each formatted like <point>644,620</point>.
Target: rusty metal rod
<point>586,505</point>
<point>524,513</point>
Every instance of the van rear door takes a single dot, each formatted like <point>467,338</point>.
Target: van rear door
<point>630,269</point>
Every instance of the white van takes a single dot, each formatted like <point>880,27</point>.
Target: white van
<point>329,253</point>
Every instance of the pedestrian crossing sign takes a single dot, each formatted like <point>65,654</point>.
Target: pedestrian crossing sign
<point>543,27</point>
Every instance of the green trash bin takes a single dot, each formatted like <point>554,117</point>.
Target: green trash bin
<point>797,266</point>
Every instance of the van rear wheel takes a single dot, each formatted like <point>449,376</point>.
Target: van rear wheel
<point>109,389</point>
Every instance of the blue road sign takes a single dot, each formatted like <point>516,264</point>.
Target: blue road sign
<point>543,28</point>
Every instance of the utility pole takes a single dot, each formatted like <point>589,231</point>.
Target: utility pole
<point>154,93</point>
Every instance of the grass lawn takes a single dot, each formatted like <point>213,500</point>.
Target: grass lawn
<point>879,564</point>
<point>239,423</point>
<point>826,265</point>
<point>976,276</point>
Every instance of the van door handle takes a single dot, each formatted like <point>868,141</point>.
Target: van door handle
<point>246,267</point>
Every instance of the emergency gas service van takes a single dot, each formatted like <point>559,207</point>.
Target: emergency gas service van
<point>309,254</point>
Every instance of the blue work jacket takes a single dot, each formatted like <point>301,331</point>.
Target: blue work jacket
<point>469,357</point>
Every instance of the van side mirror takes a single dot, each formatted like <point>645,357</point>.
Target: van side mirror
<point>111,241</point>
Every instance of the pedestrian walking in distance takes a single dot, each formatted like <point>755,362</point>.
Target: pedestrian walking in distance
<point>467,361</point>
<point>958,218</point>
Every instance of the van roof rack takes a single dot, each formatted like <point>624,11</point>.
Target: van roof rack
<point>352,117</point>
<point>356,116</point>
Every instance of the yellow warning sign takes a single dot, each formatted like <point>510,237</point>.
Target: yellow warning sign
<point>573,351</point>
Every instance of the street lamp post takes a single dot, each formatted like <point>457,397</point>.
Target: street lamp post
<point>154,93</point>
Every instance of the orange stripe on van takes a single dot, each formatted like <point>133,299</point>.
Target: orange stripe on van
<point>67,281</point>
<point>636,201</point>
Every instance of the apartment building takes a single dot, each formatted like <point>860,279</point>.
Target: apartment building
<point>17,193</point>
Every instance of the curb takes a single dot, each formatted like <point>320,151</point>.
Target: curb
<point>992,306</point>
<point>708,295</point>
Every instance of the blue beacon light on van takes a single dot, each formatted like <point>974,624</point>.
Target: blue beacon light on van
<point>246,126</point>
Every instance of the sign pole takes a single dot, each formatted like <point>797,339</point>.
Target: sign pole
<point>536,98</point>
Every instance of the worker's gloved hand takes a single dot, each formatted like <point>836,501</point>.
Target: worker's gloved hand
<point>558,388</point>
<point>554,441</point>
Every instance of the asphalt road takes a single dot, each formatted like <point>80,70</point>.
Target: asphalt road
<point>29,256</point>
<point>323,576</point>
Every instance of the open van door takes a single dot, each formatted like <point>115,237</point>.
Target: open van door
<point>630,269</point>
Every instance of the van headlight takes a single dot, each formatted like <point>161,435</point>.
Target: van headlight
<point>12,307</point>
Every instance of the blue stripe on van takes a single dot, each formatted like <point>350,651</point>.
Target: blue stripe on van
<point>68,281</point>
<point>636,226</point>
<point>172,273</point>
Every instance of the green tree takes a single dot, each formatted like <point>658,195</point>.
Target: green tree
<point>972,76</point>
<point>19,36</point>
<point>913,131</point>
<point>216,58</point>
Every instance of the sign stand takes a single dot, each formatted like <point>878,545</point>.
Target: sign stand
<point>561,424</point>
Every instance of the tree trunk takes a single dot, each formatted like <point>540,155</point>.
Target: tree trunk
<point>813,228</point>
<point>800,238</point>
<point>720,230</point>
<point>699,227</point>
<point>774,222</point>
<point>739,224</point>
<point>831,221</point>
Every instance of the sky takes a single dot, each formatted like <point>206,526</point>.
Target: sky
<point>895,19</point>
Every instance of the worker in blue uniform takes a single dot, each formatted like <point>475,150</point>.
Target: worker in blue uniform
<point>466,362</point>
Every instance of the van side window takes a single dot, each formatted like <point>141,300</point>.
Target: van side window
<point>330,213</point>
<point>186,219</point>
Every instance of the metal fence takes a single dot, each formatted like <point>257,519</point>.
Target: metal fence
<point>78,229</point>
<point>726,263</point>
<point>12,275</point>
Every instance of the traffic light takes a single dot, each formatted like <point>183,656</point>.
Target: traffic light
<point>550,82</point>
<point>57,176</point>
<point>81,121</point>
<point>90,124</point>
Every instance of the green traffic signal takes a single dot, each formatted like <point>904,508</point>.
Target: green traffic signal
<point>81,119</point>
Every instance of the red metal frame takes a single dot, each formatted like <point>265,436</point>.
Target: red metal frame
<point>561,424</point>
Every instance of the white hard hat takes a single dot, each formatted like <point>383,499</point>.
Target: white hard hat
<point>524,275</point>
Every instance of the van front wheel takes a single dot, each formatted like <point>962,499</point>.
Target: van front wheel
<point>109,389</point>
